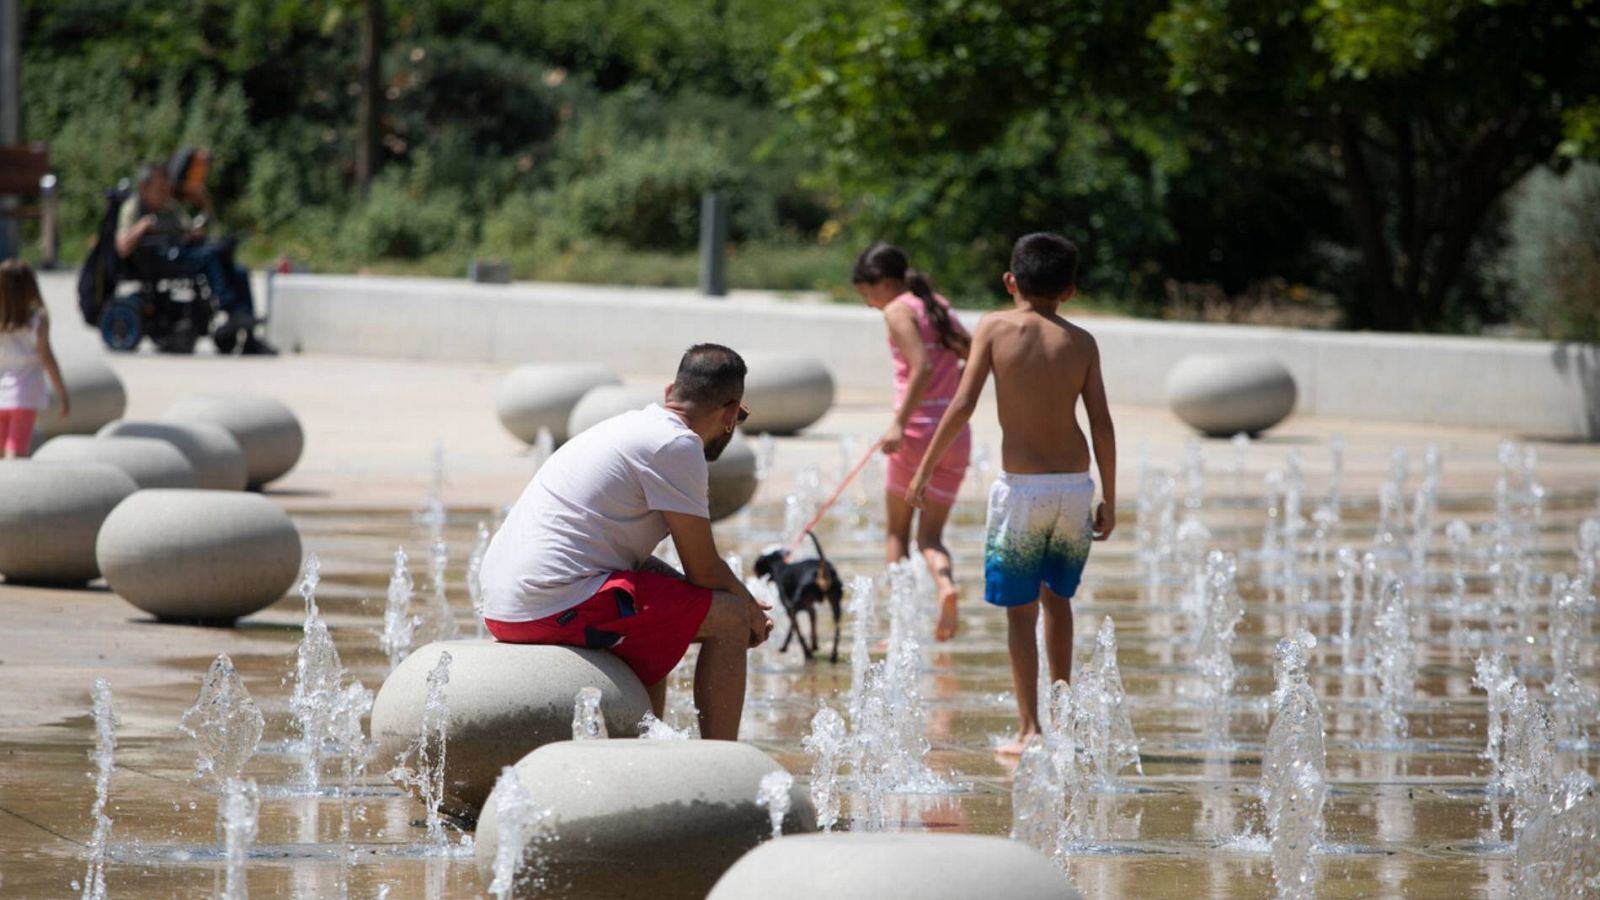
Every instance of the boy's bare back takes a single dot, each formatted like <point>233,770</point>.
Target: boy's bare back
<point>1042,364</point>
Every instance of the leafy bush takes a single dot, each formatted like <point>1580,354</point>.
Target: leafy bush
<point>1552,258</point>
<point>397,221</point>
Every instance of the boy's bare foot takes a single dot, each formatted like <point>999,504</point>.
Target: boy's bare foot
<point>1018,743</point>
<point>949,621</point>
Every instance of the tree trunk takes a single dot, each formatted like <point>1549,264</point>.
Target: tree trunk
<point>369,137</point>
<point>1377,309</point>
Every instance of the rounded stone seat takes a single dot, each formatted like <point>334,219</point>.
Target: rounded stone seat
<point>543,396</point>
<point>216,457</point>
<point>505,700</point>
<point>869,866</point>
<point>267,431</point>
<point>607,400</point>
<point>732,478</point>
<point>97,395</point>
<point>50,516</point>
<point>1225,395</point>
<point>199,556</point>
<point>644,819</point>
<point>786,393</point>
<point>149,462</point>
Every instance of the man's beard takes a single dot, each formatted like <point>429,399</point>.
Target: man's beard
<point>715,448</point>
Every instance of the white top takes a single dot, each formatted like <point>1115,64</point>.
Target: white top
<point>593,509</point>
<point>21,372</point>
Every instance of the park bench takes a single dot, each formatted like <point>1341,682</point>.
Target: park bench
<point>25,173</point>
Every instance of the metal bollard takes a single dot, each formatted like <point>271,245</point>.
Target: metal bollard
<point>713,244</point>
<point>49,221</point>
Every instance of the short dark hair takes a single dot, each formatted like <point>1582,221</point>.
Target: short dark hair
<point>1045,265</point>
<point>709,375</point>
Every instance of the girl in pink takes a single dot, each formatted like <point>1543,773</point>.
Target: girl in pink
<point>928,346</point>
<point>25,358</point>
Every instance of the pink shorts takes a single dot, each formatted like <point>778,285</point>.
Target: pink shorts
<point>946,481</point>
<point>16,430</point>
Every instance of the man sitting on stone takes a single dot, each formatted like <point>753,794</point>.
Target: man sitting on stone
<point>152,221</point>
<point>572,563</point>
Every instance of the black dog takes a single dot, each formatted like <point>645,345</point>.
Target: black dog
<point>801,585</point>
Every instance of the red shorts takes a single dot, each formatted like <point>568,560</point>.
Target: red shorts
<point>647,619</point>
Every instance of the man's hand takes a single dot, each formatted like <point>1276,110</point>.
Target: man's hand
<point>890,442</point>
<point>1105,521</point>
<point>760,623</point>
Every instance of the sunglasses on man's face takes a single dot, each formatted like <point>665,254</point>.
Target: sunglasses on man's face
<point>744,413</point>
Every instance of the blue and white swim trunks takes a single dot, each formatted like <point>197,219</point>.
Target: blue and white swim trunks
<point>1040,530</point>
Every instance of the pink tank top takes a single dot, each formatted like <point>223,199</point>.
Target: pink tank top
<point>946,364</point>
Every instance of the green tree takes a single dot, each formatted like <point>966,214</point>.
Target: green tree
<point>1416,115</point>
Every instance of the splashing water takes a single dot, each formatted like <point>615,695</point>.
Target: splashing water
<point>1220,616</point>
<point>1036,791</point>
<point>1191,553</point>
<point>1345,567</point>
<point>1294,770</point>
<point>766,455</point>
<point>421,766</point>
<point>438,620</point>
<point>1100,710</point>
<point>1529,755</point>
<point>237,814</point>
<point>653,729</point>
<point>1558,852</point>
<point>588,724</point>
<point>399,626</point>
<point>1493,676</point>
<point>1396,660</point>
<point>1241,447</point>
<point>475,576</point>
<point>318,673</point>
<point>1335,472</point>
<point>1194,475</point>
<point>773,794</point>
<point>105,748</point>
<point>224,723</point>
<point>1574,702</point>
<point>826,744</point>
<point>521,824</point>
<point>862,605</point>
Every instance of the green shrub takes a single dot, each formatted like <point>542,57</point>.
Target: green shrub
<point>399,222</point>
<point>1552,257</point>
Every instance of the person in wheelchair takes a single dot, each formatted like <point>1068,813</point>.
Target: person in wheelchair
<point>154,233</point>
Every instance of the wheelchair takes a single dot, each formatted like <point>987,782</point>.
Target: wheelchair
<point>145,295</point>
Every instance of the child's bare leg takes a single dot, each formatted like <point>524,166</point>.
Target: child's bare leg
<point>1023,642</point>
<point>930,540</point>
<point>897,527</point>
<point>1057,633</point>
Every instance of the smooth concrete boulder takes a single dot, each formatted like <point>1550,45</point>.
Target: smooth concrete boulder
<point>643,819</point>
<point>50,516</point>
<point>870,866</point>
<point>149,462</point>
<point>96,393</point>
<point>199,556</point>
<point>786,393</point>
<point>266,429</point>
<point>1224,395</point>
<point>732,478</point>
<point>505,700</point>
<point>543,396</point>
<point>216,457</point>
<point>608,400</point>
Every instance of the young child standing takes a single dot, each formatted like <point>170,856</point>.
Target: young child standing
<point>928,345</point>
<point>1040,518</point>
<point>25,359</point>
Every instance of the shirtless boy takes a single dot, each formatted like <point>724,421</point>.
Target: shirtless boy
<point>1040,518</point>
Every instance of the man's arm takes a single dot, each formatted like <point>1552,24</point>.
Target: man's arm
<point>958,413</point>
<point>131,230</point>
<point>1104,437</point>
<point>902,324</point>
<point>697,550</point>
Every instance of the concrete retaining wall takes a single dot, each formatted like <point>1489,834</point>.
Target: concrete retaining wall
<point>1528,387</point>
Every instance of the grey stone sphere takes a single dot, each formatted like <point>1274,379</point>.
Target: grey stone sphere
<point>50,516</point>
<point>786,393</point>
<point>607,400</point>
<point>732,478</point>
<point>199,556</point>
<point>869,866</point>
<point>266,429</point>
<point>1222,395</point>
<point>504,700</point>
<point>216,457</point>
<point>149,462</point>
<point>96,393</point>
<point>644,819</point>
<point>543,396</point>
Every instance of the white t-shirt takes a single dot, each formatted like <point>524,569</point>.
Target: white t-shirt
<point>21,369</point>
<point>594,508</point>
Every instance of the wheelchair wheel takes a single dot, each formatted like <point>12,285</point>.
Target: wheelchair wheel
<point>122,324</point>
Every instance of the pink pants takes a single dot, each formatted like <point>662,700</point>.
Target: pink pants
<point>16,431</point>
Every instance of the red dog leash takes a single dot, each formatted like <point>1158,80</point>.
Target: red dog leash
<point>837,492</point>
